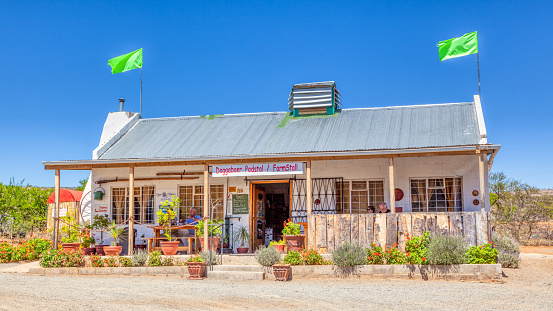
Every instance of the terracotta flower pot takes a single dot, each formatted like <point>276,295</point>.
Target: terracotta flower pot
<point>113,250</point>
<point>295,242</point>
<point>196,270</point>
<point>242,250</point>
<point>89,250</point>
<point>214,243</point>
<point>70,246</point>
<point>169,247</point>
<point>279,247</point>
<point>100,250</point>
<point>281,272</point>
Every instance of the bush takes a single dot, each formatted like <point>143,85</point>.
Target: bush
<point>167,261</point>
<point>311,257</point>
<point>30,250</point>
<point>444,249</point>
<point>267,256</point>
<point>349,255</point>
<point>508,251</point>
<point>214,257</point>
<point>293,258</point>
<point>139,258</point>
<point>154,259</point>
<point>483,254</point>
<point>6,251</point>
<point>58,258</point>
<point>110,261</point>
<point>125,261</point>
<point>96,261</point>
<point>375,255</point>
<point>416,249</point>
<point>394,256</point>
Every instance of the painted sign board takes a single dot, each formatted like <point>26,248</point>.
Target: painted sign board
<point>100,209</point>
<point>240,204</point>
<point>262,169</point>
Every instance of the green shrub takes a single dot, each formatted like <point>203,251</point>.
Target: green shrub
<point>30,250</point>
<point>59,258</point>
<point>154,259</point>
<point>281,242</point>
<point>416,249</point>
<point>508,251</point>
<point>125,261</point>
<point>445,249</point>
<point>110,261</point>
<point>311,257</point>
<point>483,254</point>
<point>293,258</point>
<point>349,255</point>
<point>139,258</point>
<point>267,256</point>
<point>375,255</point>
<point>167,261</point>
<point>214,258</point>
<point>6,251</point>
<point>394,256</point>
<point>96,261</point>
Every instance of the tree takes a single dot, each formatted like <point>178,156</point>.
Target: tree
<point>82,184</point>
<point>517,207</point>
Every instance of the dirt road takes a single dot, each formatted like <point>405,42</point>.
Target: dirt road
<point>527,288</point>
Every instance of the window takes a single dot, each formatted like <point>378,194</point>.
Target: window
<point>143,199</point>
<point>436,194</point>
<point>358,195</point>
<point>193,196</point>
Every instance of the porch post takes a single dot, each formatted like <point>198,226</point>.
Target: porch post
<point>57,213</point>
<point>308,189</point>
<point>206,206</point>
<point>131,210</point>
<point>482,169</point>
<point>392,185</point>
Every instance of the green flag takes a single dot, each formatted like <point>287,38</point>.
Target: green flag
<point>126,62</point>
<point>457,47</point>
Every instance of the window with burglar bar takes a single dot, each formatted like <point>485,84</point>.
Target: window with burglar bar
<point>442,194</point>
<point>143,199</point>
<point>358,195</point>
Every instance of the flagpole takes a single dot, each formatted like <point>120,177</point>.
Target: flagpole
<point>477,65</point>
<point>141,88</point>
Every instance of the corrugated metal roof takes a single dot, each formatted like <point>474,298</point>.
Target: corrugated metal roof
<point>403,127</point>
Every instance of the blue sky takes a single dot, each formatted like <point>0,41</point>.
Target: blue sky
<point>231,57</point>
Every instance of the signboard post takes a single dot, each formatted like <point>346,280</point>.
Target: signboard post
<point>240,204</point>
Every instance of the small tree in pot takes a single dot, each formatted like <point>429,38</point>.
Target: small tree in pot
<point>291,233</point>
<point>242,237</point>
<point>214,232</point>
<point>165,215</point>
<point>116,233</point>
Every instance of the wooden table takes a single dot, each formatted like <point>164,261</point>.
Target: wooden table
<point>153,243</point>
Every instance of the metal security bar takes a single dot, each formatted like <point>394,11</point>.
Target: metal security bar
<point>324,193</point>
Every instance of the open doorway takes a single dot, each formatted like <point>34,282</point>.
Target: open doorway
<point>270,208</point>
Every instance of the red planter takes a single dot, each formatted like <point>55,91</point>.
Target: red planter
<point>242,250</point>
<point>70,246</point>
<point>281,272</point>
<point>89,250</point>
<point>213,244</point>
<point>196,270</point>
<point>169,247</point>
<point>295,242</point>
<point>279,248</point>
<point>100,250</point>
<point>113,250</point>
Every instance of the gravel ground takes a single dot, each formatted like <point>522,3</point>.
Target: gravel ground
<point>527,288</point>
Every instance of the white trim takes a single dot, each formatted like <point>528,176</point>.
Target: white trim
<point>480,119</point>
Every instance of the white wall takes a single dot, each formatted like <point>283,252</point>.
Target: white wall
<point>405,168</point>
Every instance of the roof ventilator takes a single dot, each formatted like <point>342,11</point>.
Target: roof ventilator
<point>314,98</point>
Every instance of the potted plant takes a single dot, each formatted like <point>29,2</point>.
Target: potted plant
<point>196,267</point>
<point>291,233</point>
<point>278,245</point>
<point>165,215</point>
<point>100,223</point>
<point>71,235</point>
<point>242,237</point>
<point>281,271</point>
<point>214,232</point>
<point>116,233</point>
<point>88,245</point>
<point>226,241</point>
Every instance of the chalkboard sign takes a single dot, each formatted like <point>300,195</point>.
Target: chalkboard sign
<point>240,204</point>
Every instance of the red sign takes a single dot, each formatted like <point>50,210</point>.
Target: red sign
<point>101,209</point>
